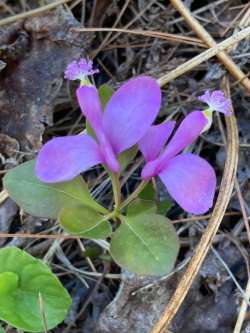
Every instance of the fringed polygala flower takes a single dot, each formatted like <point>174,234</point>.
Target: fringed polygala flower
<point>80,70</point>
<point>216,101</point>
<point>189,179</point>
<point>127,117</point>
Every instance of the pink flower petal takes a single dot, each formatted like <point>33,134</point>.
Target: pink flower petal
<point>188,131</point>
<point>90,105</point>
<point>154,139</point>
<point>64,158</point>
<point>131,111</point>
<point>191,181</point>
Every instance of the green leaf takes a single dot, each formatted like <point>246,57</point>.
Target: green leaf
<point>8,282</point>
<point>164,206</point>
<point>140,206</point>
<point>105,93</point>
<point>43,199</point>
<point>29,277</point>
<point>90,130</point>
<point>85,222</point>
<point>127,156</point>
<point>145,244</point>
<point>92,251</point>
<point>2,330</point>
<point>148,193</point>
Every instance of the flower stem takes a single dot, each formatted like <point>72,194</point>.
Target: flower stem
<point>134,195</point>
<point>116,191</point>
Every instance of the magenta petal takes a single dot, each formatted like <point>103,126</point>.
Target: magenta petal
<point>90,105</point>
<point>89,102</point>
<point>191,181</point>
<point>131,111</point>
<point>151,169</point>
<point>109,157</point>
<point>154,139</point>
<point>188,131</point>
<point>63,158</point>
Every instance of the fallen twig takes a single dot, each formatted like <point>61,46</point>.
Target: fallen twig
<point>228,62</point>
<point>188,65</point>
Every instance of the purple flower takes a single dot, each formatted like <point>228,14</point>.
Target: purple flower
<point>216,101</point>
<point>79,70</point>
<point>189,179</point>
<point>127,117</point>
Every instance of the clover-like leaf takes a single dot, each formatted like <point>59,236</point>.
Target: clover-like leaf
<point>145,244</point>
<point>43,199</point>
<point>29,281</point>
<point>85,222</point>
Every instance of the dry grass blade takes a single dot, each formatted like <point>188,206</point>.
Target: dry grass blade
<point>36,11</point>
<point>243,208</point>
<point>150,33</point>
<point>243,310</point>
<point>43,315</point>
<point>201,250</point>
<point>233,69</point>
<point>38,236</point>
<point>3,196</point>
<point>187,66</point>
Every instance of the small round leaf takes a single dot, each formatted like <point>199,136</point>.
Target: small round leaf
<point>146,244</point>
<point>29,282</point>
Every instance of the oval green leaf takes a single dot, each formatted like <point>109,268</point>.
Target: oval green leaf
<point>146,244</point>
<point>35,283</point>
<point>85,222</point>
<point>43,199</point>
